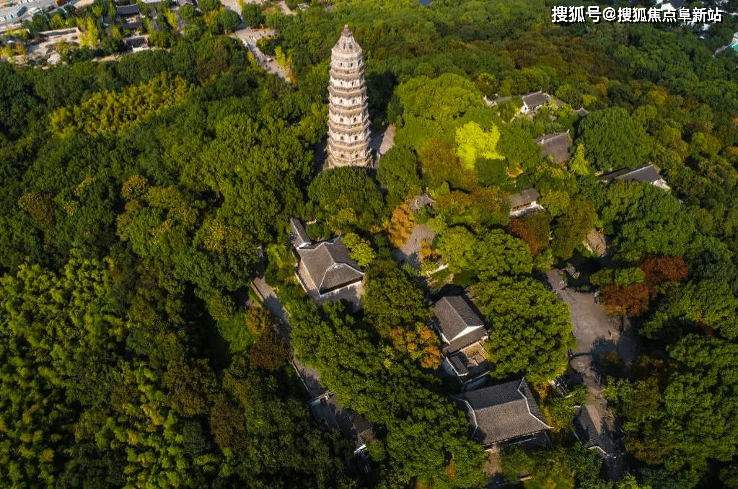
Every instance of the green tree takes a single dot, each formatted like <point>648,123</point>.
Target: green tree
<point>228,20</point>
<point>209,5</point>
<point>398,173</point>
<point>361,250</point>
<point>51,324</point>
<point>519,149</point>
<point>490,256</point>
<point>346,197</point>
<point>392,298</point>
<point>613,140</point>
<point>530,328</point>
<point>187,11</point>
<point>685,423</point>
<point>473,143</point>
<point>251,15</point>
<point>556,202</point>
<point>578,163</point>
<point>572,227</point>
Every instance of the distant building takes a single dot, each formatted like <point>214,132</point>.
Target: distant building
<point>648,174</point>
<point>457,324</point>
<point>670,4</point>
<point>326,270</point>
<point>298,237</point>
<point>556,146</point>
<point>524,202</point>
<point>532,101</point>
<point>581,111</point>
<point>128,10</point>
<point>132,25</point>
<point>133,43</point>
<point>502,414</point>
<point>421,201</point>
<point>462,333</point>
<point>348,113</point>
<point>182,3</point>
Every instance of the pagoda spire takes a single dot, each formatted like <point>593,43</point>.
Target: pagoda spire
<point>348,114</point>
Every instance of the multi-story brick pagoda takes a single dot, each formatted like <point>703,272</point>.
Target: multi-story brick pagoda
<point>348,116</point>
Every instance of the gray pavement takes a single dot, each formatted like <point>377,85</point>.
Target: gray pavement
<point>383,141</point>
<point>410,251</point>
<point>249,37</point>
<point>596,332</point>
<point>597,335</point>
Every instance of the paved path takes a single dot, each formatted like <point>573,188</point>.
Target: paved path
<point>383,141</point>
<point>597,335</point>
<point>285,8</point>
<point>410,251</point>
<point>596,332</point>
<point>249,37</point>
<point>309,376</point>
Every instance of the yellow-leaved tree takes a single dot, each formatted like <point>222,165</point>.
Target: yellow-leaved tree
<point>579,164</point>
<point>473,142</point>
<point>91,36</point>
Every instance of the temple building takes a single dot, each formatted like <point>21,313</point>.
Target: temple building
<point>348,116</point>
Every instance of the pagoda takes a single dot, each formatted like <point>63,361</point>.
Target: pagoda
<point>348,116</point>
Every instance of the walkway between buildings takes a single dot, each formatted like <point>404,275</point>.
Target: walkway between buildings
<point>597,335</point>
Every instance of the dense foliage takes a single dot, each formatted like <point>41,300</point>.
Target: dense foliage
<point>139,194</point>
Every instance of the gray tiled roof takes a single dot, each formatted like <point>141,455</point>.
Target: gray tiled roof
<point>124,10</point>
<point>453,315</point>
<point>502,412</point>
<point>134,42</point>
<point>329,264</point>
<point>556,146</point>
<point>647,173</point>
<point>131,25</point>
<point>421,201</point>
<point>459,365</point>
<point>464,341</point>
<point>535,99</point>
<point>527,196</point>
<point>298,236</point>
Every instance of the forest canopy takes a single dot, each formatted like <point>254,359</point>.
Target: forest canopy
<point>143,193</point>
